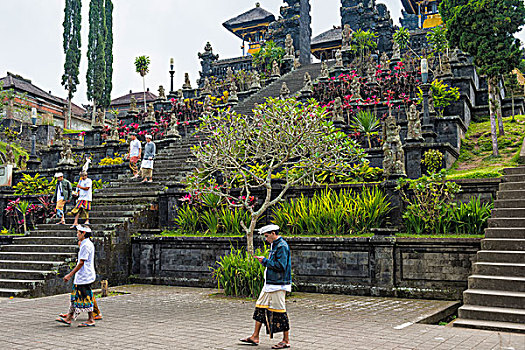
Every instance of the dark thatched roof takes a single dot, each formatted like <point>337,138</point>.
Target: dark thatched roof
<point>334,34</point>
<point>253,16</point>
<point>18,83</point>
<point>139,96</point>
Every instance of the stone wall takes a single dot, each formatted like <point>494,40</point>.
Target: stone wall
<point>380,266</point>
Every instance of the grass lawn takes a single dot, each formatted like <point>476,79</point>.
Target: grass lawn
<point>17,150</point>
<point>476,160</point>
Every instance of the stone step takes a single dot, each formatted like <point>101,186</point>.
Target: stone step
<point>46,240</point>
<point>494,298</point>
<point>514,178</point>
<point>36,256</point>
<point>109,214</point>
<point>64,233</point>
<point>119,192</point>
<point>96,227</point>
<point>509,203</point>
<point>514,194</point>
<point>495,232</point>
<point>123,200</point>
<point>512,244</point>
<point>7,293</point>
<point>498,269</point>
<point>24,274</point>
<point>120,208</point>
<point>507,222</point>
<point>490,325</point>
<point>501,256</point>
<point>29,265</point>
<point>520,170</point>
<point>40,248</point>
<point>19,284</point>
<point>508,213</point>
<point>512,186</point>
<point>516,284</point>
<point>487,313</point>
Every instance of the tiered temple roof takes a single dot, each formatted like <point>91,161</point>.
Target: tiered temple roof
<point>326,43</point>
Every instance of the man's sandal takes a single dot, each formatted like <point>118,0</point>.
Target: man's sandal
<point>249,341</point>
<point>85,324</point>
<point>61,320</point>
<point>281,345</point>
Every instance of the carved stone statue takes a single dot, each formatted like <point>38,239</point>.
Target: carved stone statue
<point>206,88</point>
<point>173,127</point>
<point>276,71</point>
<point>162,93</point>
<point>256,81</point>
<point>325,74</point>
<point>230,78</point>
<point>338,59</point>
<point>233,98</point>
<point>100,117</point>
<point>114,136</point>
<point>151,113</point>
<point>308,86</point>
<point>446,68</point>
<point>394,155</point>
<point>9,155</point>
<point>396,52</point>
<point>337,110</point>
<point>431,107</point>
<point>355,87</point>
<point>384,60</point>
<point>414,124</point>
<point>285,92</point>
<point>66,156</point>
<point>347,37</point>
<point>454,55</point>
<point>288,47</point>
<point>187,82</point>
<point>180,97</point>
<point>58,135</point>
<point>296,64</point>
<point>371,70</point>
<point>207,105</point>
<point>133,104</point>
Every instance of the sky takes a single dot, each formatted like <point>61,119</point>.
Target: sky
<point>31,38</point>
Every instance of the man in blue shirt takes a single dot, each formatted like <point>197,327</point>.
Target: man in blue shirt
<point>270,308</point>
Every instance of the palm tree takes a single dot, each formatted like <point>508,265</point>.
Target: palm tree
<point>142,67</point>
<point>366,122</point>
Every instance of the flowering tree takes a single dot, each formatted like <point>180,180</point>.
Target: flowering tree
<point>284,139</point>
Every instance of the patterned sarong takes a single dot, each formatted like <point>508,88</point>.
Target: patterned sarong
<point>83,207</point>
<point>81,299</point>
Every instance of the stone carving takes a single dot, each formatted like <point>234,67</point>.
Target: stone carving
<point>431,107</point>
<point>187,82</point>
<point>296,64</point>
<point>9,155</point>
<point>394,155</point>
<point>150,117</point>
<point>206,88</point>
<point>133,104</point>
<point>285,92</point>
<point>396,52</point>
<point>100,117</point>
<point>229,75</point>
<point>338,59</point>
<point>180,97</point>
<point>347,37</point>
<point>308,86</point>
<point>256,81</point>
<point>384,60</point>
<point>446,68</point>
<point>337,110</point>
<point>288,47</point>
<point>58,135</point>
<point>325,74</point>
<point>454,55</point>
<point>162,93</point>
<point>355,87</point>
<point>276,71</point>
<point>66,156</point>
<point>173,130</point>
<point>233,98</point>
<point>206,105</point>
<point>414,124</point>
<point>371,70</point>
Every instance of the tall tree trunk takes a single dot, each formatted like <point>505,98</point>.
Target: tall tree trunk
<point>497,92</point>
<point>68,116</point>
<point>144,87</point>
<point>94,113</point>
<point>492,111</point>
<point>513,110</point>
<point>249,236</point>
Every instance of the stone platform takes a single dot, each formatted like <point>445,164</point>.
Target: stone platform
<point>159,317</point>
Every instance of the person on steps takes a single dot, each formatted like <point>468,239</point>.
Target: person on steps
<point>85,196</point>
<point>135,150</point>
<point>147,163</point>
<point>62,196</point>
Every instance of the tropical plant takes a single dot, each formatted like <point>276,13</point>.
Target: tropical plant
<point>363,42</point>
<point>443,95</point>
<point>470,218</point>
<point>116,160</point>
<point>108,53</point>
<point>96,72</point>
<point>402,37</point>
<point>284,134</point>
<point>142,67</point>
<point>485,30</point>
<point>23,207</point>
<point>366,122</point>
<point>239,273</point>
<point>72,42</point>
<point>32,185</point>
<point>187,218</point>
<point>269,52</point>
<point>433,160</point>
<point>437,38</point>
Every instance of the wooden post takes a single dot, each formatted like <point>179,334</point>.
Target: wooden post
<point>104,288</point>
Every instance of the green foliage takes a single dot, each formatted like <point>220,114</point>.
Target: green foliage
<point>116,160</point>
<point>142,65</point>
<point>354,174</point>
<point>437,38</point>
<point>471,217</point>
<point>442,94</point>
<point>402,37</point>
<point>269,52</point>
<point>366,122</point>
<point>331,212</point>
<point>33,185</point>
<point>187,218</point>
<point>11,134</point>
<point>433,160</point>
<point>72,43</point>
<point>108,52</point>
<point>240,274</point>
<point>428,200</point>
<point>96,72</point>
<point>363,41</point>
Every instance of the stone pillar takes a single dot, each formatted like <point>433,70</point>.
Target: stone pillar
<point>93,137</point>
<point>382,265</point>
<point>413,150</point>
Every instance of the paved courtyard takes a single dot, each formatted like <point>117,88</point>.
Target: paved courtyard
<point>160,317</point>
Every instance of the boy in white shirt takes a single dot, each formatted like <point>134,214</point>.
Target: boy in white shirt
<point>85,197</point>
<point>85,275</point>
<point>135,150</point>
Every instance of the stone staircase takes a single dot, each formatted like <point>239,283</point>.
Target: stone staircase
<point>34,264</point>
<point>495,299</point>
<point>294,80</point>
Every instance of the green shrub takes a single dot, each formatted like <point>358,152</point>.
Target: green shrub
<point>470,218</point>
<point>331,212</point>
<point>240,274</point>
<point>33,185</point>
<point>433,160</point>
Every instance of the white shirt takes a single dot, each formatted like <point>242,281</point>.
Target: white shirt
<point>87,273</point>
<point>85,195</point>
<point>60,196</point>
<point>269,288</point>
<point>134,148</point>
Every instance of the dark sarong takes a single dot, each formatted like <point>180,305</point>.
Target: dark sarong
<point>275,322</point>
<point>81,299</point>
